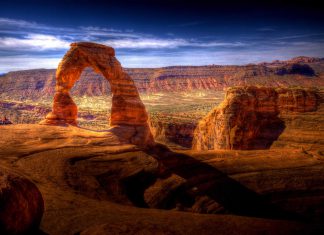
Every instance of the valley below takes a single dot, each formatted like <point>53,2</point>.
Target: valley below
<point>173,116</point>
<point>176,98</point>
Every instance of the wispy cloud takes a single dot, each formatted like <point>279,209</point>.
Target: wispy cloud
<point>188,24</point>
<point>39,42</point>
<point>266,29</point>
<point>298,36</point>
<point>26,45</point>
<point>18,23</point>
<point>142,43</point>
<point>158,43</point>
<point>14,63</point>
<point>51,38</point>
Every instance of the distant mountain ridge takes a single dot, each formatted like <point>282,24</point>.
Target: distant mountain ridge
<point>301,59</point>
<point>299,71</point>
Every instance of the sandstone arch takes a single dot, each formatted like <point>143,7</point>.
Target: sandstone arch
<point>127,107</point>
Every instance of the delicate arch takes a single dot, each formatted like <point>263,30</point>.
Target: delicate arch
<point>127,107</point>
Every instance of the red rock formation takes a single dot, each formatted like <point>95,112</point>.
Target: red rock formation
<point>85,187</point>
<point>248,117</point>
<point>21,204</point>
<point>35,84</point>
<point>127,107</point>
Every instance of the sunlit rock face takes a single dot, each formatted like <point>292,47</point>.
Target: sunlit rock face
<point>249,117</point>
<point>127,107</point>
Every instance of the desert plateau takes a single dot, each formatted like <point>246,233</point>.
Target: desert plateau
<point>207,121</point>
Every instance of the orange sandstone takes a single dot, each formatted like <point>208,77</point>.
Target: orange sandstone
<point>249,117</point>
<point>127,107</point>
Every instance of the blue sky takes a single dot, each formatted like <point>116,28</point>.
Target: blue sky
<point>36,34</point>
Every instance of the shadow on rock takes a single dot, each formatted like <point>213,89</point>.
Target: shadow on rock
<point>205,180</point>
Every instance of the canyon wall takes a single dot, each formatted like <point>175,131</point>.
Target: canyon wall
<point>250,117</point>
<point>180,134</point>
<point>300,71</point>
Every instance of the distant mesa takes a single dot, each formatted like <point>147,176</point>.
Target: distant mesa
<point>298,60</point>
<point>305,59</point>
<point>127,108</point>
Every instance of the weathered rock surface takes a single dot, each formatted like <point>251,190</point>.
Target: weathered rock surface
<point>127,108</point>
<point>192,226</point>
<point>21,204</point>
<point>177,133</point>
<point>92,187</point>
<point>249,118</point>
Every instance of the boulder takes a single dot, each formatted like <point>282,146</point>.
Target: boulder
<point>21,204</point>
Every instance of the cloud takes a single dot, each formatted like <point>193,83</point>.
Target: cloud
<point>143,43</point>
<point>188,24</point>
<point>299,36</point>
<point>26,45</point>
<point>158,43</point>
<point>218,44</point>
<point>266,29</point>
<point>14,63</point>
<point>162,58</point>
<point>17,23</point>
<point>58,38</point>
<point>18,27</point>
<point>33,42</point>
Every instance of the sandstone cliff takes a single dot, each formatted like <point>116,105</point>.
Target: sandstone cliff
<point>300,71</point>
<point>249,117</point>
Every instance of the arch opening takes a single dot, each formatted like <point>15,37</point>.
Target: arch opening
<point>92,95</point>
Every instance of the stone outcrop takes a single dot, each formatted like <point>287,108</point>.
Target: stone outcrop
<point>84,182</point>
<point>21,204</point>
<point>5,121</point>
<point>249,117</point>
<point>127,108</point>
<point>178,133</point>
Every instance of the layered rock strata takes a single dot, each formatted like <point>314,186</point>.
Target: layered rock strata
<point>249,117</point>
<point>300,71</point>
